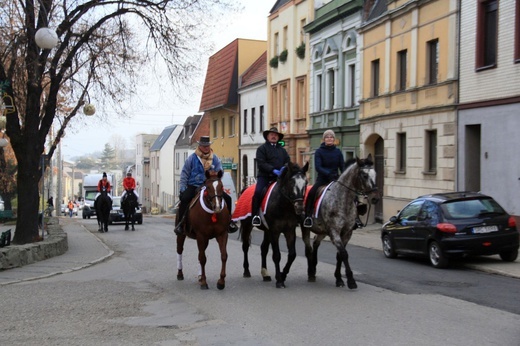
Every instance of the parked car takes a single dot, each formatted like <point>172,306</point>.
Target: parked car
<point>117,215</point>
<point>448,225</point>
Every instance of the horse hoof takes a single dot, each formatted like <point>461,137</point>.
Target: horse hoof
<point>267,278</point>
<point>204,287</point>
<point>351,285</point>
<point>180,277</point>
<point>133,229</point>
<point>311,279</point>
<point>126,228</point>
<point>221,286</point>
<point>280,285</point>
<point>340,284</point>
<point>247,274</point>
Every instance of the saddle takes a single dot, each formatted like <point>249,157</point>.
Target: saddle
<point>314,202</point>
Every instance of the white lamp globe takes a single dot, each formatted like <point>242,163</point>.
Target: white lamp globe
<point>89,109</point>
<point>46,38</point>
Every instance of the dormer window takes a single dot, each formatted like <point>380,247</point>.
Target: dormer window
<point>350,41</point>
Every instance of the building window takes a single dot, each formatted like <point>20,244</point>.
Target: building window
<point>285,102</point>
<point>232,125</point>
<point>223,127</point>
<point>318,94</point>
<point>517,32</point>
<point>401,70</point>
<point>433,61</point>
<point>285,37</point>
<point>301,96</point>
<point>350,87</point>
<point>215,128</point>
<point>274,105</point>
<point>177,160</point>
<point>302,31</point>
<point>276,44</point>
<point>253,120</point>
<point>330,88</point>
<point>375,78</point>
<point>261,120</point>
<point>401,152</point>
<point>245,121</point>
<point>487,34</point>
<point>431,151</point>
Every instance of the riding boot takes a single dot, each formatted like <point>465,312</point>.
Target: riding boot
<point>256,222</point>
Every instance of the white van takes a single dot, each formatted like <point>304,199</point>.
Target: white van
<point>229,188</point>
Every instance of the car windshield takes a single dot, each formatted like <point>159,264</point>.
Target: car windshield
<point>471,208</point>
<point>90,195</point>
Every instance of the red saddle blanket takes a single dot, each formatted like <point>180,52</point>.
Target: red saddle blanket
<point>244,203</point>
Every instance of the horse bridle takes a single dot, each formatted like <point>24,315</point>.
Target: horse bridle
<point>206,197</point>
<point>363,193</point>
<point>282,191</point>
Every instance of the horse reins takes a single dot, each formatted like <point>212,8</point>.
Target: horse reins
<point>359,193</point>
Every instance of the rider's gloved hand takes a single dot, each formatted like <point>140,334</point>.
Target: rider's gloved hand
<point>277,172</point>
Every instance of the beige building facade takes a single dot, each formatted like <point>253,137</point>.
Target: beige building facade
<point>409,58</point>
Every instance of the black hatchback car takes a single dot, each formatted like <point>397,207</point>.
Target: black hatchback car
<point>447,225</point>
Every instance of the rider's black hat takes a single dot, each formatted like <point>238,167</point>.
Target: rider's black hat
<point>275,130</point>
<point>204,141</point>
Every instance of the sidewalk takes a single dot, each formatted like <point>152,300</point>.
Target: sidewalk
<point>86,249</point>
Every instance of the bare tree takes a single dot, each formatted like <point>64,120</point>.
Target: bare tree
<point>103,46</point>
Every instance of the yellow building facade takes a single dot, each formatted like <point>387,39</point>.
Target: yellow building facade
<point>287,79</point>
<point>409,96</point>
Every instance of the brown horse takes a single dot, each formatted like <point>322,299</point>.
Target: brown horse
<point>208,218</point>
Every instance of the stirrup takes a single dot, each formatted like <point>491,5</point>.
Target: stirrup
<point>256,221</point>
<point>232,227</point>
<point>307,222</point>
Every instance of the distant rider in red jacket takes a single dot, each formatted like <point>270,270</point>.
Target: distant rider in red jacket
<point>129,185</point>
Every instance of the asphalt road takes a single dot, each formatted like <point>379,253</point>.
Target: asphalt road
<point>416,276</point>
<point>134,298</point>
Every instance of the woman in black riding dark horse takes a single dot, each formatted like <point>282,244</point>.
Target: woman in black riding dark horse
<point>270,160</point>
<point>193,177</point>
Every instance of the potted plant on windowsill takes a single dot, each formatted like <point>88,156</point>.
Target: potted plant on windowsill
<point>274,61</point>
<point>283,56</point>
<point>300,50</point>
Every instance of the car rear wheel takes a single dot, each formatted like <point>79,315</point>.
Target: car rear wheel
<point>388,247</point>
<point>437,258</point>
<point>509,256</point>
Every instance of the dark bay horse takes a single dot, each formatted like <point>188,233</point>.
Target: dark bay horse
<point>103,207</point>
<point>281,216</point>
<point>208,218</point>
<point>129,206</point>
<point>337,216</point>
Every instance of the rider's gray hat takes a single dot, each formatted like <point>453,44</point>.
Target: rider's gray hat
<point>204,141</point>
<point>275,130</point>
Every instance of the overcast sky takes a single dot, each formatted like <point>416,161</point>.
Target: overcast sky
<point>250,24</point>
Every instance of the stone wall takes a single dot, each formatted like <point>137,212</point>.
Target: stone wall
<point>55,244</point>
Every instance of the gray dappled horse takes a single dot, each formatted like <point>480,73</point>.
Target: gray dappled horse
<point>283,213</point>
<point>337,217</point>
